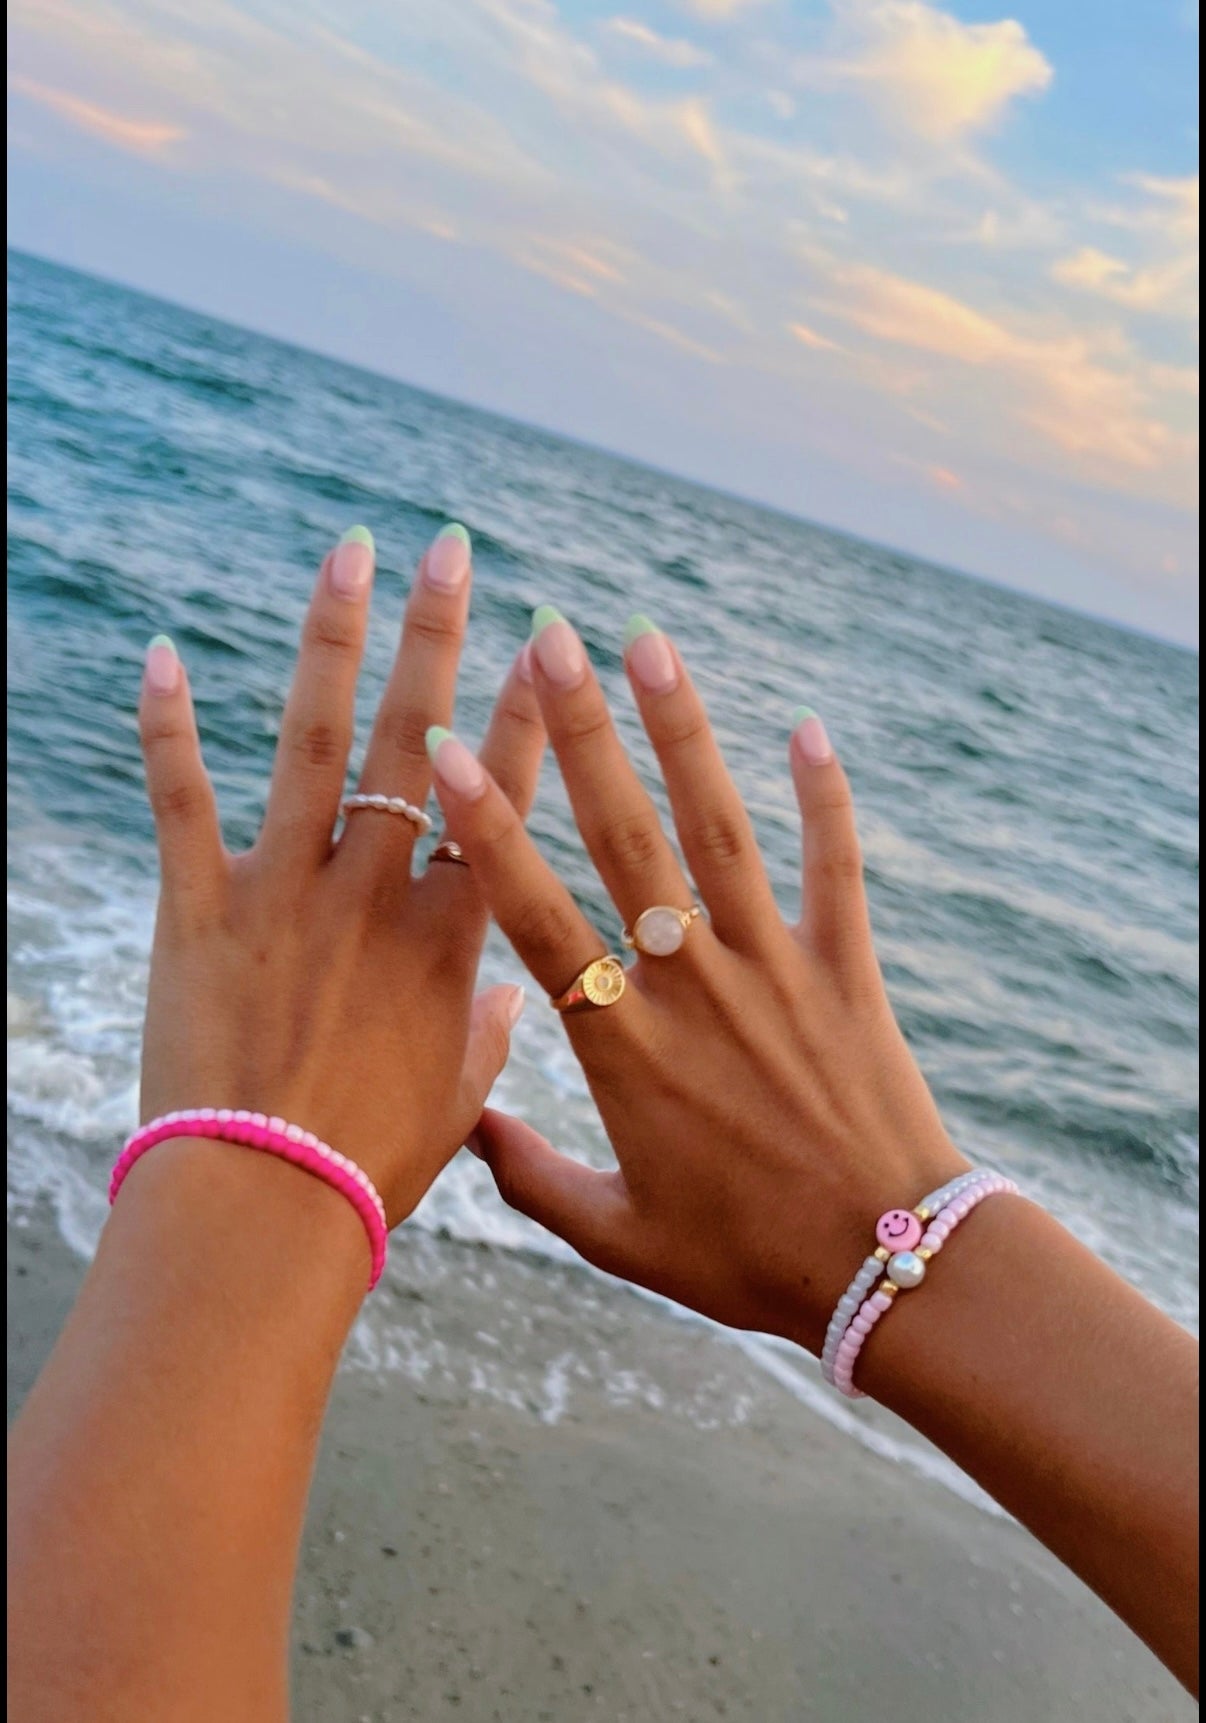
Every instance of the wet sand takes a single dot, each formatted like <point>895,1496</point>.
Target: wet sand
<point>543,1498</point>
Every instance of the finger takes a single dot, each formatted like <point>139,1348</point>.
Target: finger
<point>493,1016</point>
<point>530,904</point>
<point>316,730</point>
<point>180,793</point>
<point>590,1210</point>
<point>834,921</point>
<point>618,821</point>
<point>713,826</point>
<point>421,688</point>
<point>514,744</point>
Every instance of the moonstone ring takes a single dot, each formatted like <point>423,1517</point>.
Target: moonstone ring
<point>660,931</point>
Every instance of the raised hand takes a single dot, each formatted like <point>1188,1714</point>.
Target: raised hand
<point>762,1103</point>
<point>314,978</point>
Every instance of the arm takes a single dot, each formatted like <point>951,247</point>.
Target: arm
<point>158,1472</point>
<point>765,1109</point>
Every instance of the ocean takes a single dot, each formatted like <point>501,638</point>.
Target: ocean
<point>1026,778</point>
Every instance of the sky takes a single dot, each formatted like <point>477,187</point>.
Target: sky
<point>925,273</point>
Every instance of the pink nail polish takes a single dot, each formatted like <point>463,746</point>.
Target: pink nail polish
<point>811,740</point>
<point>523,664</point>
<point>454,765</point>
<point>162,671</point>
<point>560,654</point>
<point>651,660</point>
<point>446,565</point>
<point>351,570</point>
<point>515,1004</point>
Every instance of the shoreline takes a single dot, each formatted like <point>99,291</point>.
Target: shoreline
<point>540,1497</point>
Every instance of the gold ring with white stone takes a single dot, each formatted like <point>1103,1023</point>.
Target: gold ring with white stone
<point>660,931</point>
<point>600,984</point>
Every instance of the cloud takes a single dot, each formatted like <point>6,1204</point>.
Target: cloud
<point>1089,399</point>
<point>927,70</point>
<point>142,137</point>
<point>666,50</point>
<point>809,338</point>
<point>1161,229</point>
<point>717,11</point>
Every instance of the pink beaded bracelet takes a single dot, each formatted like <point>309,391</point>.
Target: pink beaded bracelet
<point>907,1241</point>
<point>275,1137</point>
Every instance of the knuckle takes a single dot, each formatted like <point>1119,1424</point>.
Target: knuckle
<point>178,800</point>
<point>686,731</point>
<point>719,839</point>
<point>544,926</point>
<point>584,725</point>
<point>325,632</point>
<point>631,844</point>
<point>839,866</point>
<point>404,730</point>
<point>433,627</point>
<point>319,744</point>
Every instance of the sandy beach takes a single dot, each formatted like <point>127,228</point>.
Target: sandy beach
<point>541,1499</point>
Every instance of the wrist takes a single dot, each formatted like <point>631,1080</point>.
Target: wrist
<point>240,1229</point>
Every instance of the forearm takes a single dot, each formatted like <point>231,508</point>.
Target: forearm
<point>158,1473</point>
<point>1069,1398</point>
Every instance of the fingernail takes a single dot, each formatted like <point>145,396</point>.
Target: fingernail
<point>163,666</point>
<point>650,656</point>
<point>523,664</point>
<point>454,765</point>
<point>809,737</point>
<point>516,1000</point>
<point>559,652</point>
<point>352,564</point>
<point>446,565</point>
<point>472,1143</point>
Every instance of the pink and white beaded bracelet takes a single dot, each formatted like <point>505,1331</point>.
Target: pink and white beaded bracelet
<point>907,1239</point>
<point>274,1137</point>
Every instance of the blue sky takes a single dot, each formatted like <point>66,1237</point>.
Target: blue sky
<point>925,272</point>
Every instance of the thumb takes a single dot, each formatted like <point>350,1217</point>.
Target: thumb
<point>590,1210</point>
<point>492,1016</point>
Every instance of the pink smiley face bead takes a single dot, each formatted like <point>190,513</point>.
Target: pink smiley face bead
<point>899,1229</point>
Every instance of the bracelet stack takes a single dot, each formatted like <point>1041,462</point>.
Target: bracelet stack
<point>907,1240</point>
<point>274,1137</point>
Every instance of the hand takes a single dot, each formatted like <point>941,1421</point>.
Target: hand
<point>763,1105</point>
<point>313,979</point>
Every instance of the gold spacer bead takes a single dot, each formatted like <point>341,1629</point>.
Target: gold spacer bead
<point>889,1288</point>
<point>924,1252</point>
<point>924,1214</point>
<point>882,1253</point>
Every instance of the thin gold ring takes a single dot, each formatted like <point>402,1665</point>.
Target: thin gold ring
<point>660,930</point>
<point>448,851</point>
<point>594,988</point>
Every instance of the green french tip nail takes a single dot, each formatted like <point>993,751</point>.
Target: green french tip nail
<point>163,640</point>
<point>799,715</point>
<point>543,617</point>
<point>359,535</point>
<point>454,529</point>
<point>435,736</point>
<point>636,626</point>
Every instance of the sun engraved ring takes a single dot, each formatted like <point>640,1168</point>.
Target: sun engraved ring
<point>660,931</point>
<point>361,803</point>
<point>594,988</point>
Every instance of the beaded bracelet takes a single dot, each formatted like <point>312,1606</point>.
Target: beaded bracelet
<point>274,1137</point>
<point>907,1241</point>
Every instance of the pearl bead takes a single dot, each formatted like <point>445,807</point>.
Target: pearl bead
<point>906,1269</point>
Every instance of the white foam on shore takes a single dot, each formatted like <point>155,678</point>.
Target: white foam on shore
<point>79,935</point>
